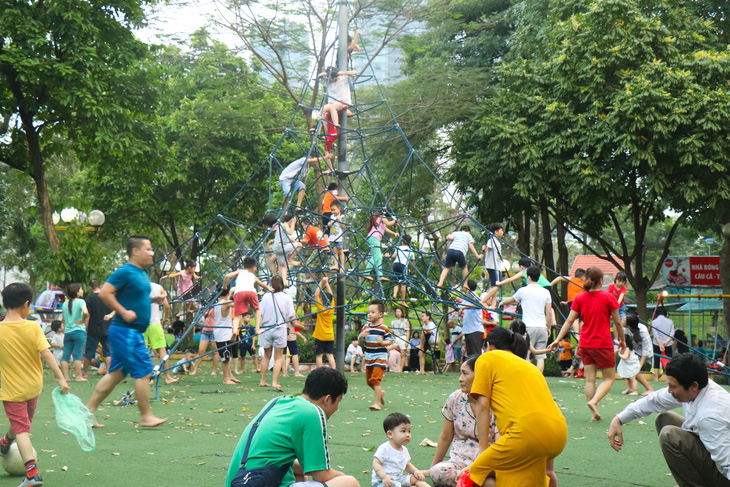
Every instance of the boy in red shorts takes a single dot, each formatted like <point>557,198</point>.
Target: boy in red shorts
<point>22,346</point>
<point>245,296</point>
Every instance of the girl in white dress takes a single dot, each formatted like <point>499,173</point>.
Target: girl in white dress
<point>629,367</point>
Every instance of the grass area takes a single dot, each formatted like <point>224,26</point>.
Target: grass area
<point>207,418</point>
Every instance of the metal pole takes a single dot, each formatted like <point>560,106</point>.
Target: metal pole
<point>341,169</point>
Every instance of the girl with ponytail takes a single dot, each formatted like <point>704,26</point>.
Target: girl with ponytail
<point>532,429</point>
<point>75,317</point>
<point>596,309</point>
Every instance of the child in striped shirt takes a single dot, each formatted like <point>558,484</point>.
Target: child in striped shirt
<point>375,338</point>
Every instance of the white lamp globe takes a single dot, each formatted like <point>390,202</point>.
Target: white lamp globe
<point>56,218</point>
<point>69,214</point>
<point>96,218</point>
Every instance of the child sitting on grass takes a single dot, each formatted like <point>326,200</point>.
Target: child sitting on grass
<point>22,346</point>
<point>391,458</point>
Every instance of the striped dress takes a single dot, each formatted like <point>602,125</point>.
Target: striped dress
<point>376,355</point>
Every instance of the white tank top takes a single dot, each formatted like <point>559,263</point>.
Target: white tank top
<point>245,281</point>
<point>223,330</point>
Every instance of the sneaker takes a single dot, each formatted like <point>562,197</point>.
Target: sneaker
<point>34,480</point>
<point>4,449</point>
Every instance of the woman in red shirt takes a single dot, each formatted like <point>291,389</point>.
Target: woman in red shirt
<point>596,308</point>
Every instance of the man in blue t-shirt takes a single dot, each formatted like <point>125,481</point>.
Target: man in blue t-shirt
<point>127,294</point>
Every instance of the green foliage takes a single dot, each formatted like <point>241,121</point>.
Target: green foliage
<point>80,258</point>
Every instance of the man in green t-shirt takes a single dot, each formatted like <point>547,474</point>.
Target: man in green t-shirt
<point>294,431</point>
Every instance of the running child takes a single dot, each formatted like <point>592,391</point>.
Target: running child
<point>461,241</point>
<point>391,458</point>
<point>245,296</point>
<point>324,335</point>
<point>375,338</point>
<point>22,347</point>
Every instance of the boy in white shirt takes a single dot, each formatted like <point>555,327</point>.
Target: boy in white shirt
<point>354,355</point>
<point>245,296</point>
<point>461,242</point>
<point>391,458</point>
<point>57,340</point>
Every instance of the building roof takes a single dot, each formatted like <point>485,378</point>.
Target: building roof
<point>586,261</point>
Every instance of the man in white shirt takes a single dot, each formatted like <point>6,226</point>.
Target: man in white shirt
<point>537,311</point>
<point>696,446</point>
<point>663,330</point>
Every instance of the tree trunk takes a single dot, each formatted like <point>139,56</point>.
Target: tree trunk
<point>536,238</point>
<point>641,291</point>
<point>725,275</point>
<point>562,255</point>
<point>43,212</point>
<point>523,233</point>
<point>547,242</point>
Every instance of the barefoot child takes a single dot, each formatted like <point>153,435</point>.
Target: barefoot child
<point>403,258</point>
<point>247,345</point>
<point>293,348</point>
<point>245,296</point>
<point>461,242</point>
<point>337,231</point>
<point>185,282</point>
<point>375,338</point>
<point>225,336</point>
<point>22,346</point>
<point>628,367</point>
<point>354,355</point>
<point>324,336</point>
<point>391,458</point>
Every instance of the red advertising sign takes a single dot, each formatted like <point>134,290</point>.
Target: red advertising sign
<point>692,271</point>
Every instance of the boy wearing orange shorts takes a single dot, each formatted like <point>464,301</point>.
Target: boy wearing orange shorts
<point>375,338</point>
<point>22,346</point>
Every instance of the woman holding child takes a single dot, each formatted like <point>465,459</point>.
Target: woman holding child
<point>459,432</point>
<point>532,429</point>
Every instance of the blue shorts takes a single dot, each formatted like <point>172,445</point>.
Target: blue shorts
<point>286,186</point>
<point>399,271</point>
<point>207,336</point>
<point>457,354</point>
<point>246,349</point>
<point>74,343</point>
<point>494,276</point>
<point>92,342</point>
<point>129,352</point>
<point>293,347</point>
<point>454,257</point>
<point>622,311</point>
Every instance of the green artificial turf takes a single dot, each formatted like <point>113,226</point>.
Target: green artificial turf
<point>207,418</point>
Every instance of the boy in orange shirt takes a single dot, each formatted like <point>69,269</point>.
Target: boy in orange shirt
<point>22,346</point>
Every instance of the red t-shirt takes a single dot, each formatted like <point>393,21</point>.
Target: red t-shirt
<point>595,310</point>
<point>616,292</point>
<point>315,238</point>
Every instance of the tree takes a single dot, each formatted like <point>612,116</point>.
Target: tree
<point>68,69</point>
<point>215,124</point>
<point>619,115</point>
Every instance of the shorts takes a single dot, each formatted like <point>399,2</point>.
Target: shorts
<point>288,186</point>
<point>242,300</point>
<point>457,354</point>
<point>244,349</point>
<point>20,414</point>
<point>293,347</point>
<point>494,276</point>
<point>92,342</point>
<point>404,480</point>
<point>129,352</point>
<point>207,336</point>
<point>229,352</point>
<point>281,253</point>
<point>337,244</point>
<point>538,339</point>
<point>349,356</point>
<point>622,311</point>
<point>425,344</point>
<point>400,341</point>
<point>399,270</point>
<point>273,338</point>
<point>324,346</point>
<point>374,375</point>
<point>453,257</point>
<point>474,342</point>
<point>602,358</point>
<point>565,364</point>
<point>74,343</point>
<point>657,359</point>
<point>308,483</point>
<point>155,337</point>
<point>325,220</point>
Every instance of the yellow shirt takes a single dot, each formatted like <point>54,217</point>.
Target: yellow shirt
<point>323,329</point>
<point>515,388</point>
<point>20,362</point>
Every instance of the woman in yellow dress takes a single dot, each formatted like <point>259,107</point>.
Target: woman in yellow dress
<point>532,428</point>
